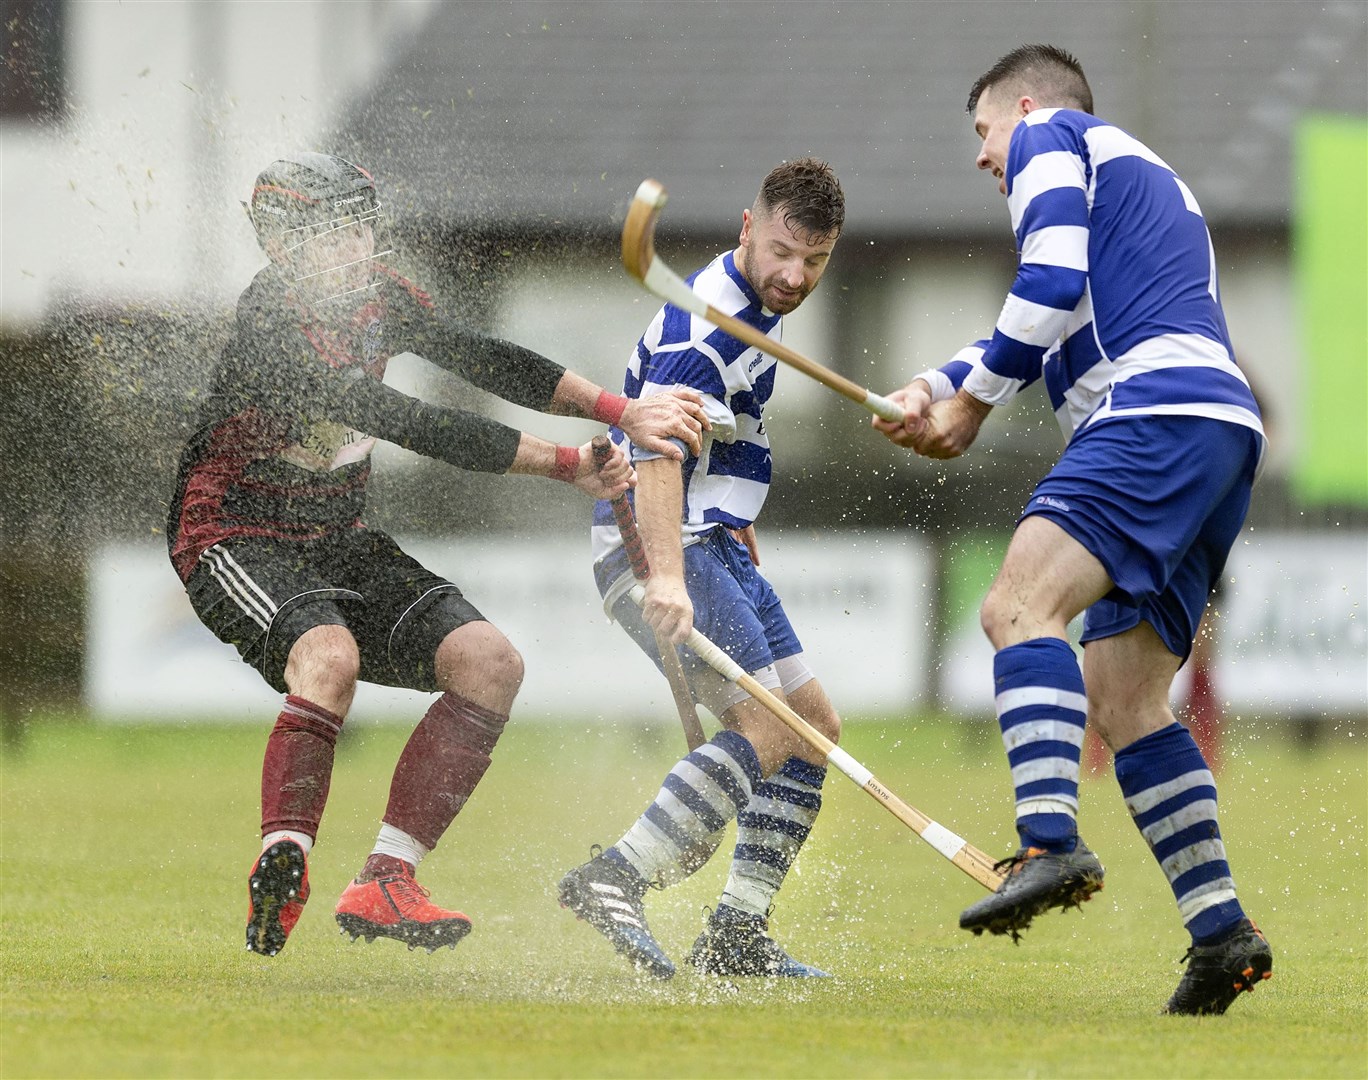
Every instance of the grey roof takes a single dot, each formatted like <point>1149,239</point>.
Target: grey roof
<point>533,112</point>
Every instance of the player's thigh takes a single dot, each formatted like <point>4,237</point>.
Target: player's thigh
<point>408,612</point>
<point>708,688</point>
<point>1047,577</point>
<point>737,609</point>
<point>261,595</point>
<point>725,603</point>
<point>734,604</point>
<point>724,613</point>
<point>734,607</point>
<point>1197,488</point>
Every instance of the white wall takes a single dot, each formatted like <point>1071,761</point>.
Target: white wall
<point>1258,295</point>
<point>174,108</point>
<point>1292,641</point>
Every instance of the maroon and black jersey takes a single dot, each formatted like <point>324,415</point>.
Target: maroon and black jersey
<point>284,440</point>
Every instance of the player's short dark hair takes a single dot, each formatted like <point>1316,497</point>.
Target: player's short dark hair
<point>1047,73</point>
<point>808,193</point>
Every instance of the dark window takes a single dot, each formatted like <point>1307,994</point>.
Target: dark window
<point>32,78</point>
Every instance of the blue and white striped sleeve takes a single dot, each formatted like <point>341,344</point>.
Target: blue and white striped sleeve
<point>1047,197</point>
<point>950,376</point>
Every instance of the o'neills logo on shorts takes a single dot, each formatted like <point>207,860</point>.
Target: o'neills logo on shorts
<point>1049,500</point>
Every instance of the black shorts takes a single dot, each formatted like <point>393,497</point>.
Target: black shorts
<point>260,595</point>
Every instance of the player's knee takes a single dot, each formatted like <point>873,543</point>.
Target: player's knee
<point>478,655</point>
<point>505,664</point>
<point>998,618</point>
<point>324,664</point>
<point>809,700</point>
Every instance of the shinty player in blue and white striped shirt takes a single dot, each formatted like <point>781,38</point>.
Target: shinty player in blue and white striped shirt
<point>697,521</point>
<point>1116,307</point>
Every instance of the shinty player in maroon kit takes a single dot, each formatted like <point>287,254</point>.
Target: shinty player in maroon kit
<point>267,532</point>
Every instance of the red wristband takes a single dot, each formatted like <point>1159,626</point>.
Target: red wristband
<point>608,409</point>
<point>567,464</point>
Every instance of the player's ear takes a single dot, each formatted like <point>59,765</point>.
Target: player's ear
<point>745,227</point>
<point>1026,104</point>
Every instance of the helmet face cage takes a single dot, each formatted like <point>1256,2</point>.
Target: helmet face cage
<point>324,213</point>
<point>323,252</point>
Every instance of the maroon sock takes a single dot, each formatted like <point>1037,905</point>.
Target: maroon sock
<point>298,767</point>
<point>445,757</point>
<point>384,866</point>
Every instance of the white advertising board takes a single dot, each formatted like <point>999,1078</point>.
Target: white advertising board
<point>1293,634</point>
<point>861,604</point>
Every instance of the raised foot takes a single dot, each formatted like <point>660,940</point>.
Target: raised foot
<point>608,897</point>
<point>277,890</point>
<point>398,907</point>
<point>1037,880</point>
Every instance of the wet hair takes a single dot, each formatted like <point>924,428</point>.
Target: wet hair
<point>1049,74</point>
<point>808,194</point>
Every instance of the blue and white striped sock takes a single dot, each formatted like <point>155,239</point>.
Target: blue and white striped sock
<point>1041,709</point>
<point>1171,794</point>
<point>703,792</point>
<point>769,832</point>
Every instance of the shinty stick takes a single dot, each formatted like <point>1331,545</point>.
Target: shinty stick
<point>959,851</point>
<point>641,261</point>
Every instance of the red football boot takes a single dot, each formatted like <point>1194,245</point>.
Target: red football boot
<point>277,890</point>
<point>396,906</point>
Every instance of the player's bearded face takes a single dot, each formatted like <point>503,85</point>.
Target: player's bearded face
<point>782,262</point>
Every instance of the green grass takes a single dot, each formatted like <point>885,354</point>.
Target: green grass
<point>125,852</point>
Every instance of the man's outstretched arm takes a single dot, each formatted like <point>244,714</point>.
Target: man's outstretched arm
<point>659,507</point>
<point>650,422</point>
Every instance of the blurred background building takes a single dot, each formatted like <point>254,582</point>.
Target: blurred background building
<point>508,138</point>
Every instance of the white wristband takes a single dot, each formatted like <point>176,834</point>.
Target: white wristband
<point>942,389</point>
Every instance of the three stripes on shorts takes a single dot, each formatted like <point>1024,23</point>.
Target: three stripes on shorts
<point>239,586</point>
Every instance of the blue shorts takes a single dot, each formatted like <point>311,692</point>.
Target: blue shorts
<point>1159,501</point>
<point>734,607</point>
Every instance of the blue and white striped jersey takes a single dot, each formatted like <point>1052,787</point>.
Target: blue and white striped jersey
<point>727,482</point>
<point>1115,302</point>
